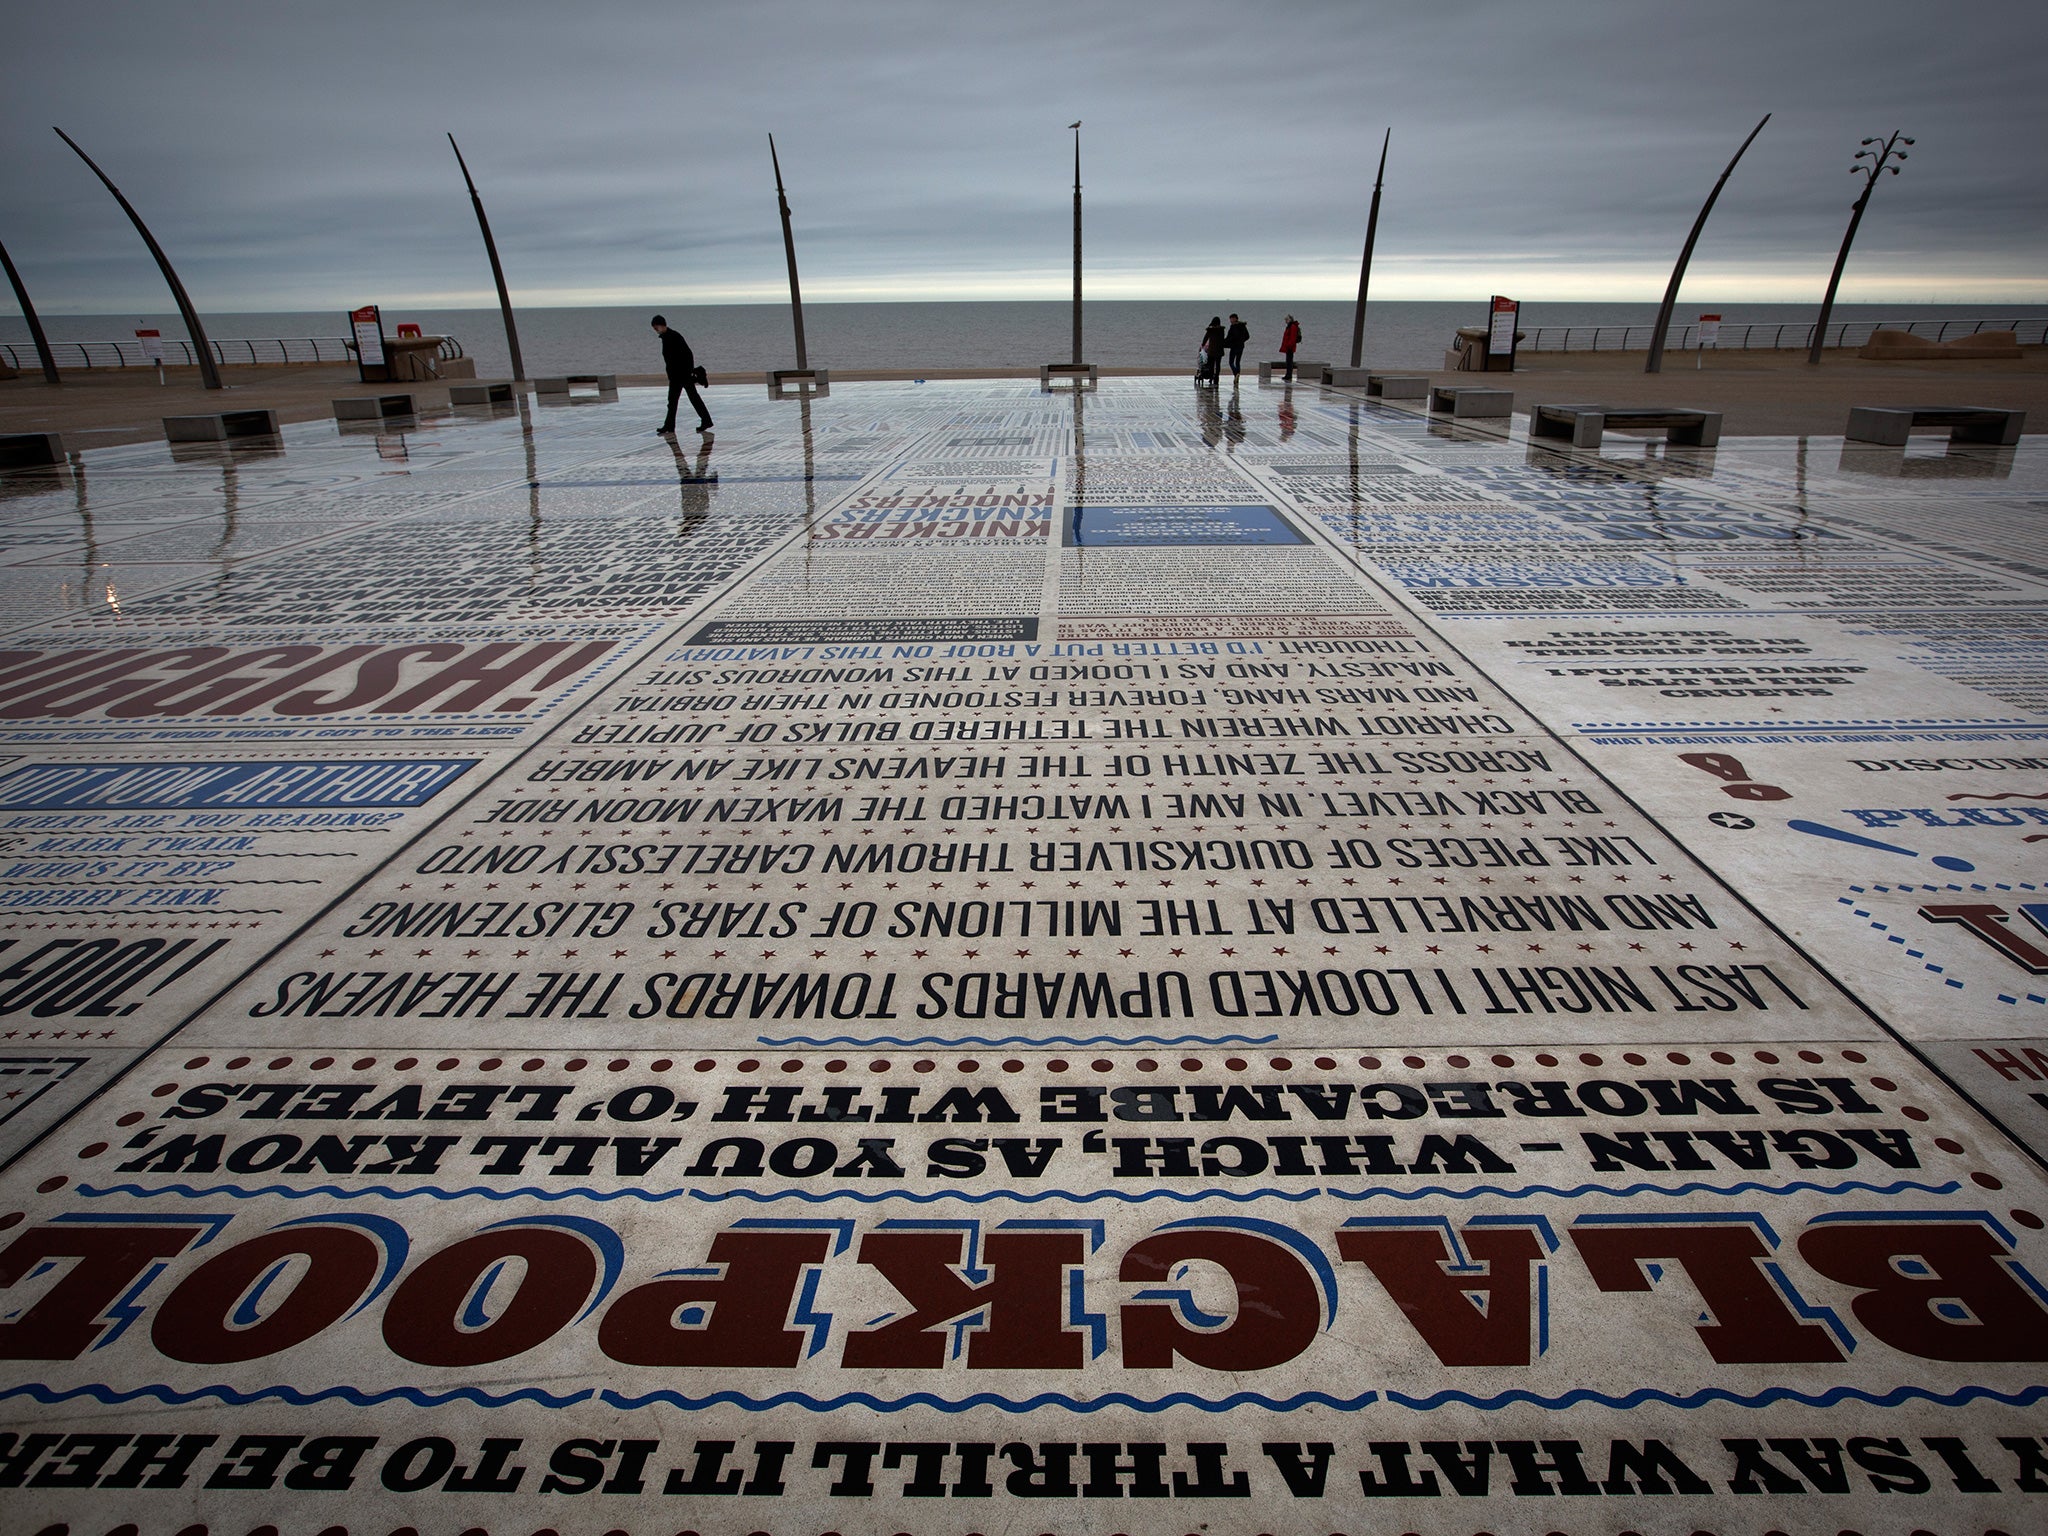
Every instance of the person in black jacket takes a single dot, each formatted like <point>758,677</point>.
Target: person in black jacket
<point>1235,339</point>
<point>681,364</point>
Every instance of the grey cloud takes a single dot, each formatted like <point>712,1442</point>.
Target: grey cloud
<point>298,154</point>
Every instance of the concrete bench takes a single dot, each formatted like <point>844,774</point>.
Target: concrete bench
<point>479,394</point>
<point>1397,386</point>
<point>28,450</point>
<point>1584,424</point>
<point>1302,370</point>
<point>1461,400</point>
<point>220,427</point>
<point>786,382</point>
<point>374,407</point>
<point>1965,423</point>
<point>1390,386</point>
<point>601,382</point>
<point>1084,375</point>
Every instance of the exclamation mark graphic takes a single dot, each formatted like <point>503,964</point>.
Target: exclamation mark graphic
<point>1944,860</point>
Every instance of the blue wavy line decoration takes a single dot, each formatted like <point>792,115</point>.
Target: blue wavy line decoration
<point>1036,1197</point>
<point>171,1396</point>
<point>1579,1191</point>
<point>1831,1398</point>
<point>863,1197</point>
<point>991,1400</point>
<point>707,1196</point>
<point>1690,1400</point>
<point>995,1040</point>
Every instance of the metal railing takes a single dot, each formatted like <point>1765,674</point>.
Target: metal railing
<point>1791,335</point>
<point>178,353</point>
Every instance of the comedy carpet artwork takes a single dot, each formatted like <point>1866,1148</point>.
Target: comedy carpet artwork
<point>966,959</point>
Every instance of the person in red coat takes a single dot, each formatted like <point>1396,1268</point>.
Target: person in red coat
<point>1289,340</point>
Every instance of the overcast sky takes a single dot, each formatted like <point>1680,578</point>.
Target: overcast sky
<point>291,155</point>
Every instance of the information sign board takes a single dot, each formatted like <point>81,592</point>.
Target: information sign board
<point>1500,330</point>
<point>366,325</point>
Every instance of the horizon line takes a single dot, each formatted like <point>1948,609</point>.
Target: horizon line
<point>489,303</point>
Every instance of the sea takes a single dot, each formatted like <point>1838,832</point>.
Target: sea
<point>732,338</point>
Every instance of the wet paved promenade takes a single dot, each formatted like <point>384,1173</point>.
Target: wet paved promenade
<point>947,958</point>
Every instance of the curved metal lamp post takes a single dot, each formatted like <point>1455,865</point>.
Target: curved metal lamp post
<point>209,375</point>
<point>1879,159</point>
<point>1656,362</point>
<point>497,271</point>
<point>796,298</point>
<point>1372,225</point>
<point>35,324</point>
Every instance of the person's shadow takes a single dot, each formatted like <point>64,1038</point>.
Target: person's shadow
<point>695,484</point>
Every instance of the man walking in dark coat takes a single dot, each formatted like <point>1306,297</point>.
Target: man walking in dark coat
<point>681,364</point>
<point>1235,339</point>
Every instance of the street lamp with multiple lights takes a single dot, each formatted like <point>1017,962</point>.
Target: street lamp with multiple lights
<point>1879,161</point>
